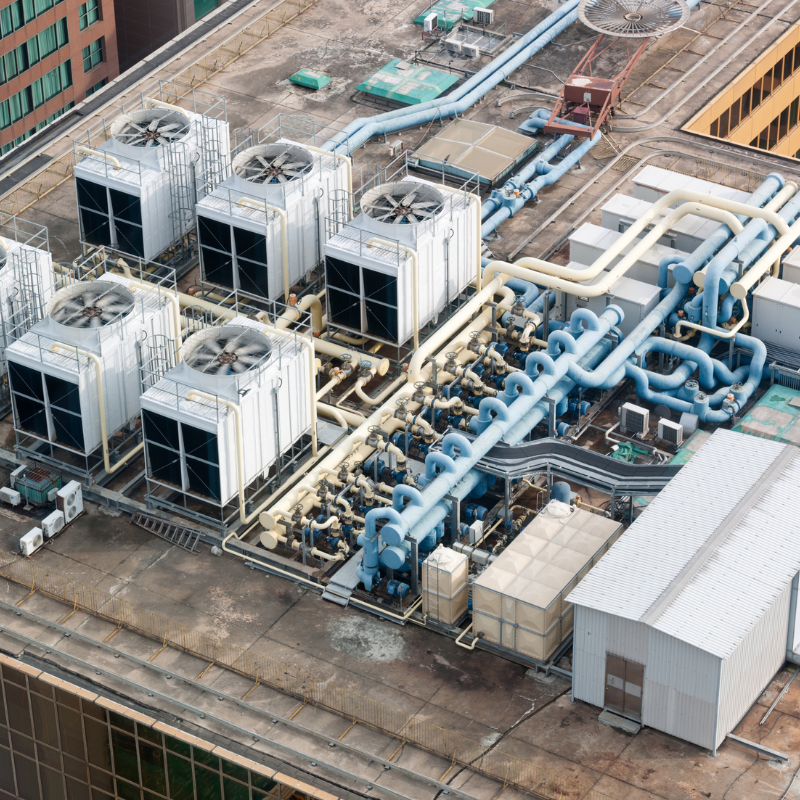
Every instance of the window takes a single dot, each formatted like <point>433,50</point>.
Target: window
<point>93,55</point>
<point>93,212</point>
<point>97,87</point>
<point>88,13</point>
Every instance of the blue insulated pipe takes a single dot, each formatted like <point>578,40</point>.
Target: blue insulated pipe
<point>460,99</point>
<point>514,202</point>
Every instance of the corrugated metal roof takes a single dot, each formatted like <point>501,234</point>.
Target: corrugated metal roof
<point>692,569</point>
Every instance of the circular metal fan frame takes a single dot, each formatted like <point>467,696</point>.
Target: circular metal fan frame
<point>228,350</point>
<point>402,203</point>
<point>151,127</point>
<point>273,163</point>
<point>91,305</point>
<point>633,19</point>
<point>3,256</point>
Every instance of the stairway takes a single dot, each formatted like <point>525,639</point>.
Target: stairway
<point>172,532</point>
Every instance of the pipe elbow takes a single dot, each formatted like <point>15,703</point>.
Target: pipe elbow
<point>454,441</point>
<point>489,404</point>
<point>617,311</point>
<point>519,379</point>
<point>400,491</point>
<point>561,341</point>
<point>436,459</point>
<point>581,315</point>
<point>538,358</point>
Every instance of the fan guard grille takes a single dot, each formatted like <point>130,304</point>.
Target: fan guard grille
<point>91,305</point>
<point>273,163</point>
<point>151,127</point>
<point>402,203</point>
<point>633,19</point>
<point>228,350</point>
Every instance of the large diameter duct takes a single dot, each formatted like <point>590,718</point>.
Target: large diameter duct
<point>363,128</point>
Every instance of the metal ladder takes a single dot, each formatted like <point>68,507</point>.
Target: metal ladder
<point>172,532</point>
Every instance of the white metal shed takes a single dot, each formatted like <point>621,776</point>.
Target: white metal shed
<point>689,615</point>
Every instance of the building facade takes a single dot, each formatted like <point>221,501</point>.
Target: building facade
<point>145,25</point>
<point>55,53</point>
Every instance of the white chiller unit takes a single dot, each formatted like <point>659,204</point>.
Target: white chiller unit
<point>192,440</point>
<point>54,388</point>
<point>136,190</point>
<point>404,227</point>
<point>277,196</point>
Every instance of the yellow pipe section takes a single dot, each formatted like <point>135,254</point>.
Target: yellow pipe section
<point>724,334</point>
<point>248,201</point>
<point>95,151</point>
<point>526,268</point>
<point>781,198</point>
<point>412,254</point>
<point>740,289</point>
<point>98,371</point>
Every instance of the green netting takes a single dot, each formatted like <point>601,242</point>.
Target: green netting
<point>407,83</point>
<point>452,11</point>
<point>310,79</point>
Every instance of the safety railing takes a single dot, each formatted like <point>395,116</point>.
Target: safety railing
<point>263,670</point>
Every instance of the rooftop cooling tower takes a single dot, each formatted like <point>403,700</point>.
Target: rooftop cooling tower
<point>54,383</point>
<point>136,190</point>
<point>191,440</point>
<point>276,198</point>
<point>405,226</point>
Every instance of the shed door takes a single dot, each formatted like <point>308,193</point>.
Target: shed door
<point>624,682</point>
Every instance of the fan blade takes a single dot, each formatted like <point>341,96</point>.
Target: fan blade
<point>412,218</point>
<point>282,179</point>
<point>153,125</point>
<point>425,204</point>
<point>213,346</point>
<point>95,322</point>
<point>150,143</point>
<point>249,361</point>
<point>264,162</point>
<point>387,214</point>
<point>162,140</point>
<point>293,173</point>
<point>408,199</point>
<point>170,127</point>
<point>81,322</point>
<point>104,300</point>
<point>276,162</point>
<point>398,219</point>
<point>249,349</point>
<point>238,367</point>
<point>391,200</point>
<point>293,165</point>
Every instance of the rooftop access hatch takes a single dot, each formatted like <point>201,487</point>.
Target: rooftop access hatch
<point>468,148</point>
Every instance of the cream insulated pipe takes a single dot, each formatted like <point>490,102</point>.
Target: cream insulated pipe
<point>527,268</point>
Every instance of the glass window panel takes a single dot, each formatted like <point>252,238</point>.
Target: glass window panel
<point>235,791</point>
<point>344,309</point>
<point>99,753</point>
<point>2,70</point>
<point>127,792</point>
<point>67,699</point>
<point>71,733</point>
<point>250,245</point>
<point>63,394</point>
<point>98,794</point>
<point>205,758</point>
<point>125,760</point>
<point>22,58</point>
<point>177,746</point>
<point>62,32</point>
<point>207,783</point>
<point>181,785</point>
<point>262,782</point>
<point>342,275</point>
<point>153,774</point>
<point>11,65</point>
<point>44,720</point>
<point>19,715</point>
<point>4,740</point>
<point>5,114</point>
<point>6,773</point>
<point>75,768</point>
<point>100,779</point>
<point>52,784</point>
<point>77,790</point>
<point>6,22</point>
<point>149,734</point>
<point>94,711</point>
<point>27,778</point>
<point>234,770</point>
<point>200,444</point>
<point>22,744</point>
<point>16,14</point>
<point>33,48</point>
<point>48,756</point>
